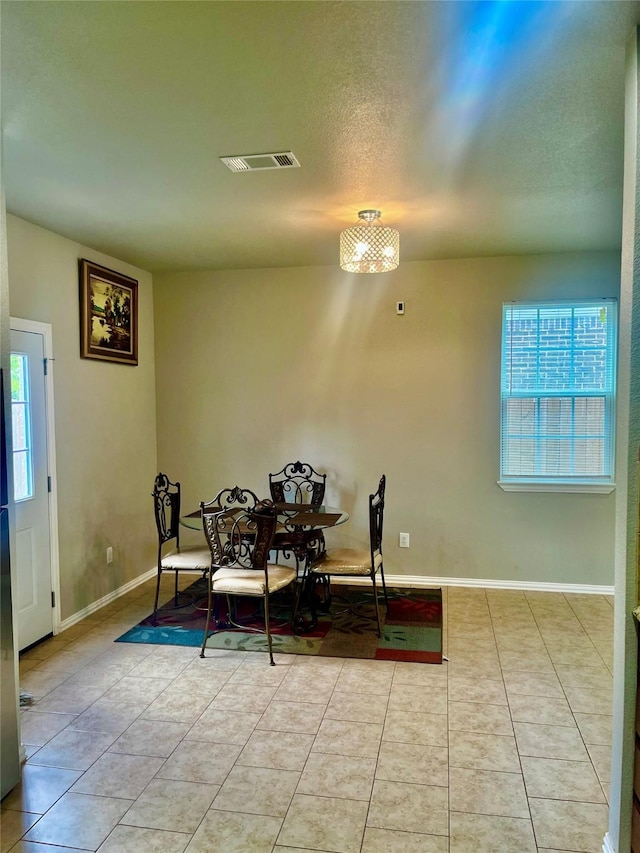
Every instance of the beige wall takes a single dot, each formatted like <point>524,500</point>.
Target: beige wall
<point>105,420</point>
<point>260,367</point>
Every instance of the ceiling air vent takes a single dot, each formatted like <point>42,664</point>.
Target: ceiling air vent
<point>255,162</point>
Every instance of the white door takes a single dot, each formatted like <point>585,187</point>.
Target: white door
<point>31,487</point>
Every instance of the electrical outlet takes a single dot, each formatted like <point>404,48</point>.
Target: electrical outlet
<point>109,555</point>
<point>399,307</point>
<point>404,540</point>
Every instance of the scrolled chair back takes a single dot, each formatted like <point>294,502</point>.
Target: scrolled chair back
<point>376,518</point>
<point>234,497</point>
<point>166,505</point>
<point>239,537</point>
<point>298,482</point>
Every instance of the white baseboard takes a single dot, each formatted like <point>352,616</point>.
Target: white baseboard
<point>607,845</point>
<point>411,581</point>
<point>419,582</point>
<point>107,599</point>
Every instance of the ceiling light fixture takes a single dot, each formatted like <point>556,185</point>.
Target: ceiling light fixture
<point>369,248</point>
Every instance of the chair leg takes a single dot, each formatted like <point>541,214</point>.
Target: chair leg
<point>310,592</point>
<point>232,611</point>
<point>325,604</point>
<point>208,620</point>
<point>268,630</point>
<point>155,604</point>
<point>175,590</point>
<point>384,587</point>
<point>375,595</point>
<point>302,599</point>
<point>298,586</point>
<point>216,612</point>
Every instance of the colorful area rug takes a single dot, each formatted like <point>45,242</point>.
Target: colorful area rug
<point>411,631</point>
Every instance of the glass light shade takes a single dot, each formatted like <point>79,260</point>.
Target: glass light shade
<point>369,248</point>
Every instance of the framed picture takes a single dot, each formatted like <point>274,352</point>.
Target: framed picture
<point>108,314</point>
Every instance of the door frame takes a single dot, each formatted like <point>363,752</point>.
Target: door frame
<point>46,330</point>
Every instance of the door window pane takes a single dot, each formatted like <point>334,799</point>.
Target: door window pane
<point>22,488</point>
<point>21,428</point>
<point>19,420</point>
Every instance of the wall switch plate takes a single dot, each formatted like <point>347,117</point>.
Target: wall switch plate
<point>399,307</point>
<point>404,540</point>
<point>109,554</point>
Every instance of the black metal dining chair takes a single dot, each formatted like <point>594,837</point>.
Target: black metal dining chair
<point>166,504</point>
<point>233,497</point>
<point>239,540</point>
<point>298,483</point>
<point>351,562</point>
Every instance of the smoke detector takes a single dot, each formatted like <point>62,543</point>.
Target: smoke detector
<point>259,162</point>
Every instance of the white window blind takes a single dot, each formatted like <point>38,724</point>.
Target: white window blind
<point>558,392</point>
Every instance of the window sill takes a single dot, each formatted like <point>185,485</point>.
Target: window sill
<point>573,488</point>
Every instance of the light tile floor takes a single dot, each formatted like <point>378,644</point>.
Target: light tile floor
<point>149,748</point>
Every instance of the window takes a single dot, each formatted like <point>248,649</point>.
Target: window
<point>21,428</point>
<point>558,395</point>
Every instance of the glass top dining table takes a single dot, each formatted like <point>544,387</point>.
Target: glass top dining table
<point>292,518</point>
<point>299,533</point>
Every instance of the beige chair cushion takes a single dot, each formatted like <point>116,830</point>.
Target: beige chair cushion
<point>346,561</point>
<point>252,581</point>
<point>196,559</point>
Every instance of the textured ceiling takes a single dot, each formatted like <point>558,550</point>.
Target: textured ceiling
<point>477,128</point>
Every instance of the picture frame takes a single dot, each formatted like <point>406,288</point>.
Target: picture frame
<point>108,314</point>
